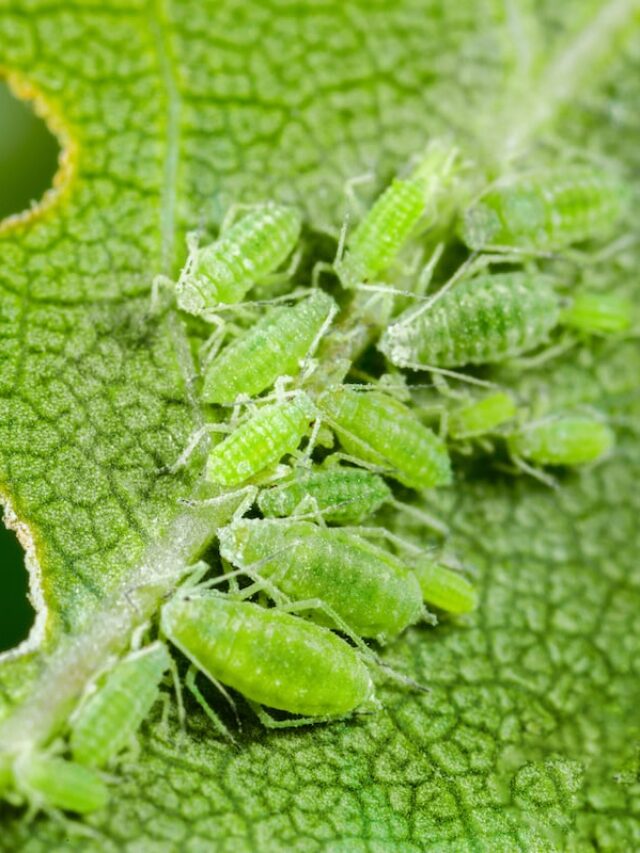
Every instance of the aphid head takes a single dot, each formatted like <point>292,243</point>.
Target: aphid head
<point>479,226</point>
<point>351,270</point>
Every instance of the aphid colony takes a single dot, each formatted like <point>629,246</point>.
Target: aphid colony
<point>319,454</point>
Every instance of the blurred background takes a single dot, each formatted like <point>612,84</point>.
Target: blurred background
<point>28,160</point>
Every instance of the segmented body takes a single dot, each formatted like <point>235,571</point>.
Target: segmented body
<point>271,657</point>
<point>108,719</point>
<point>49,782</point>
<point>545,210</point>
<point>563,440</point>
<point>444,588</point>
<point>482,416</point>
<point>342,495</point>
<point>273,347</point>
<point>379,238</point>
<point>482,320</point>
<point>243,255</point>
<point>382,431</point>
<point>370,589</point>
<point>261,441</point>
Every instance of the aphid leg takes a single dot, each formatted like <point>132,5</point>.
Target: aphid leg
<point>159,284</point>
<point>284,275</point>
<point>424,279</point>
<point>320,335</point>
<point>428,520</point>
<point>546,479</point>
<point>368,654</point>
<point>190,682</point>
<point>319,268</point>
<point>165,700</point>
<point>193,443</point>
<point>309,508</point>
<point>383,533</point>
<point>338,621</point>
<point>270,723</point>
<point>349,191</point>
<point>339,456</point>
<point>534,361</point>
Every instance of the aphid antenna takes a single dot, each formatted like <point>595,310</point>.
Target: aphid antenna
<point>193,443</point>
<point>469,265</point>
<point>534,361</point>
<point>451,374</point>
<point>383,533</point>
<point>162,294</point>
<point>339,456</point>
<point>270,722</point>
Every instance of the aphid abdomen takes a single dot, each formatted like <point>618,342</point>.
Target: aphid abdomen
<point>109,719</point>
<point>261,441</point>
<point>444,588</point>
<point>563,440</point>
<point>370,589</point>
<point>251,249</point>
<point>274,347</point>
<point>377,240</point>
<point>61,784</point>
<point>342,495</point>
<point>544,211</point>
<point>378,429</point>
<point>271,657</point>
<point>598,314</point>
<point>482,320</point>
<point>482,416</point>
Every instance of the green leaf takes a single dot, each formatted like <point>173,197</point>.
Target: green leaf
<point>169,113</point>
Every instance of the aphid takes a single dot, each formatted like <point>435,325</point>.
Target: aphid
<point>372,591</point>
<point>48,782</point>
<point>444,588</point>
<point>562,440</point>
<point>482,320</point>
<point>342,495</point>
<point>378,240</point>
<point>243,255</point>
<point>376,428</point>
<point>598,313</point>
<point>261,441</point>
<point>107,721</point>
<point>481,416</point>
<point>545,210</point>
<point>271,657</point>
<point>274,347</point>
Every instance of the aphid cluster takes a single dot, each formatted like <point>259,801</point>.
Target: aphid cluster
<point>322,452</point>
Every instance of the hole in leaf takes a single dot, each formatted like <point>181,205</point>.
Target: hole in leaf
<point>28,154</point>
<point>16,613</point>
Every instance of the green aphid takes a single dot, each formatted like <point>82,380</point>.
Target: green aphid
<point>444,588</point>
<point>569,440</point>
<point>261,441</point>
<point>46,782</point>
<point>107,721</point>
<point>482,320</point>
<point>377,429</point>
<point>481,416</point>
<point>341,495</point>
<point>598,313</point>
<point>274,347</point>
<point>372,591</point>
<point>271,657</point>
<point>543,211</point>
<point>245,254</point>
<point>378,240</point>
